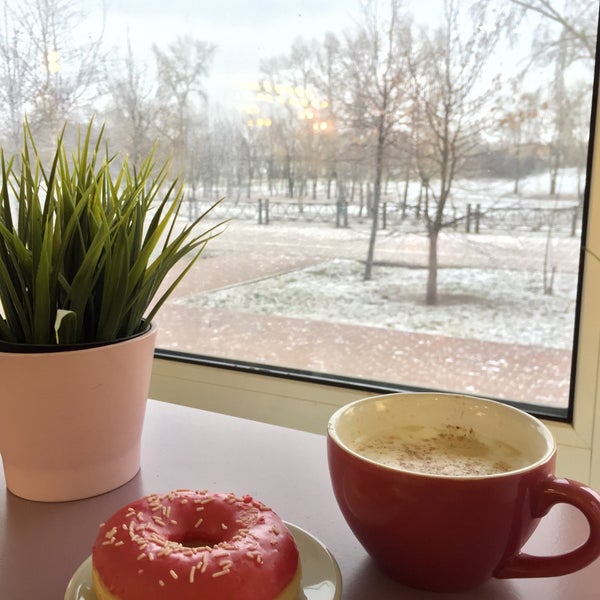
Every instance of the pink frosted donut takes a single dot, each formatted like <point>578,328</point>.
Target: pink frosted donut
<point>195,544</point>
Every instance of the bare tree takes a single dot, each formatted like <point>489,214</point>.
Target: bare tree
<point>561,121</point>
<point>518,115</point>
<point>64,73</point>
<point>450,94</point>
<point>133,108</point>
<point>374,95</point>
<point>285,97</point>
<point>328,79</point>
<point>15,80</point>
<point>47,72</point>
<point>181,71</point>
<point>576,21</point>
<point>563,37</point>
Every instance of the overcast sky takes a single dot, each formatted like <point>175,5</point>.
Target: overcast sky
<point>244,32</point>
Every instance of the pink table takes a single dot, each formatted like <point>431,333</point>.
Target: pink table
<point>41,545</point>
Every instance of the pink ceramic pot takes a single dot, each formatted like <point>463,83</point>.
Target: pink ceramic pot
<point>71,422</point>
<point>451,533</point>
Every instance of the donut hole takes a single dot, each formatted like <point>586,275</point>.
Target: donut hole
<point>201,539</point>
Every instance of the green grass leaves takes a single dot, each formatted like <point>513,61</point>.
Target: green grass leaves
<point>86,244</point>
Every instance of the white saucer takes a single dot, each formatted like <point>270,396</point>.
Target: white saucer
<point>321,577</point>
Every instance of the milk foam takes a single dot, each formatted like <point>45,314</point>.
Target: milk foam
<point>452,451</point>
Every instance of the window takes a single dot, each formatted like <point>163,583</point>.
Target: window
<point>406,181</point>
<point>496,314</point>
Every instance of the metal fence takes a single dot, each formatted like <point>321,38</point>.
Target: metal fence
<point>470,218</point>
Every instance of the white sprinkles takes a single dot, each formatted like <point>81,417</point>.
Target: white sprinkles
<point>147,534</point>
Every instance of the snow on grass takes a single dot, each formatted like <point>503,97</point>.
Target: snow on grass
<point>499,305</point>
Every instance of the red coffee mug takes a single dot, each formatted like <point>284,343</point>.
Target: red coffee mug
<point>451,533</point>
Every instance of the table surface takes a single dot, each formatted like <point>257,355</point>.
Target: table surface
<point>42,544</point>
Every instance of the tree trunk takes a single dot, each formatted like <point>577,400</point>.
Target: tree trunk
<point>517,169</point>
<point>375,207</point>
<point>249,183</point>
<point>372,238</point>
<point>553,179</point>
<point>405,193</point>
<point>431,295</point>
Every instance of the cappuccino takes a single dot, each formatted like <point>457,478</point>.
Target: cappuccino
<point>453,451</point>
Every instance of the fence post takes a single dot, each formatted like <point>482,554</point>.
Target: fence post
<point>477,217</point>
<point>341,213</point>
<point>468,225</point>
<point>263,211</point>
<point>384,216</point>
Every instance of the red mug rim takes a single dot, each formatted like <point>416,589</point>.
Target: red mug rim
<point>544,432</point>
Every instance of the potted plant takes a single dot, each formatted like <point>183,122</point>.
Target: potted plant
<point>90,248</point>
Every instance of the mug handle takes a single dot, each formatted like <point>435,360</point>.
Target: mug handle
<point>553,491</point>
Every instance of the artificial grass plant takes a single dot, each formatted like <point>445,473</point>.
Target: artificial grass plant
<point>85,243</point>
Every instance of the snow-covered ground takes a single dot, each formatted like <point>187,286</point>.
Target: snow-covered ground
<point>502,305</point>
<point>310,276</point>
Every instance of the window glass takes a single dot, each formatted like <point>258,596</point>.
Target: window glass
<point>405,181</point>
